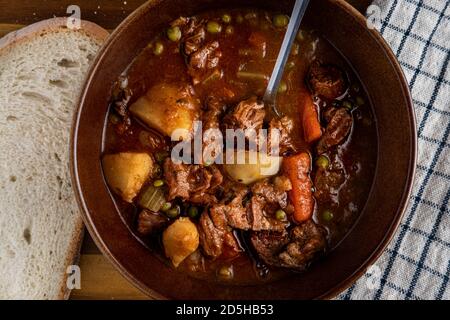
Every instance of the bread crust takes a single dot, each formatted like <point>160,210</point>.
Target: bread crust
<point>28,33</point>
<point>58,24</point>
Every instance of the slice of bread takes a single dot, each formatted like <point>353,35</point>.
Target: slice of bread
<point>42,70</point>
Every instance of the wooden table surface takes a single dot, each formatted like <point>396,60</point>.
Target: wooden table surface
<point>99,279</point>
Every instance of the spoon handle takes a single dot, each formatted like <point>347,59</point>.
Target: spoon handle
<point>292,29</point>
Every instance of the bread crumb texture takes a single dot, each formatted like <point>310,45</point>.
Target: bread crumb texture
<point>40,82</point>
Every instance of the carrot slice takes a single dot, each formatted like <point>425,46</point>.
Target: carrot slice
<point>297,169</point>
<point>311,125</point>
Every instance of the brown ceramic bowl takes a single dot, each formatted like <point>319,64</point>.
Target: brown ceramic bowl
<point>379,72</point>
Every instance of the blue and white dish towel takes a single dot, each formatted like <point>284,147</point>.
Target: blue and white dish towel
<point>416,265</point>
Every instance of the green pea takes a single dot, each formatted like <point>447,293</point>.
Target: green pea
<point>213,27</point>
<point>347,105</point>
<point>280,20</point>
<point>226,272</point>
<point>280,215</point>
<point>174,212</point>
<point>158,49</point>
<point>322,162</point>
<point>327,215</point>
<point>359,101</point>
<point>239,19</point>
<point>166,206</point>
<point>283,87</point>
<point>158,183</point>
<point>229,30</point>
<point>193,212</point>
<point>174,34</point>
<point>226,18</point>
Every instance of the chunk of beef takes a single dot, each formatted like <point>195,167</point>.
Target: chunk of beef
<point>338,128</point>
<point>273,194</point>
<point>193,33</point>
<point>151,222</point>
<point>261,218</point>
<point>233,191</point>
<point>194,183</point>
<point>176,176</point>
<point>203,199</point>
<point>328,181</point>
<point>267,199</point>
<point>199,179</point>
<point>211,237</point>
<point>327,81</point>
<point>293,249</point>
<point>255,213</point>
<point>329,113</point>
<point>207,57</point>
<point>121,98</point>
<point>202,62</point>
<point>284,126</point>
<point>203,182</point>
<point>195,39</point>
<point>327,184</point>
<point>232,208</point>
<point>269,244</point>
<point>216,237</point>
<point>235,215</point>
<point>216,177</point>
<point>306,242</point>
<point>202,58</point>
<point>231,246</point>
<point>248,114</point>
<point>212,146</point>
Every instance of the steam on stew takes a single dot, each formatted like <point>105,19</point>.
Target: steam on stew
<point>235,222</point>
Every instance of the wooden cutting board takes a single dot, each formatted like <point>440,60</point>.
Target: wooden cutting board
<point>99,279</point>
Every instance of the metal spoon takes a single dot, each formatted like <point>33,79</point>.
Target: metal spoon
<point>270,96</point>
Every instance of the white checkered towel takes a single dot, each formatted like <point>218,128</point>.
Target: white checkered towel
<point>416,264</point>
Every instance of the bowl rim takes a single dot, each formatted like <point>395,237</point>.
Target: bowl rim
<point>344,284</point>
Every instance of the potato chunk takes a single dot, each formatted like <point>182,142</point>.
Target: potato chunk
<point>251,166</point>
<point>167,107</point>
<point>126,172</point>
<point>180,240</point>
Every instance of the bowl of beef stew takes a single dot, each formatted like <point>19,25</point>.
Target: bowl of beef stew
<point>195,189</point>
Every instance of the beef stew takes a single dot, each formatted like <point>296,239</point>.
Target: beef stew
<point>227,222</point>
